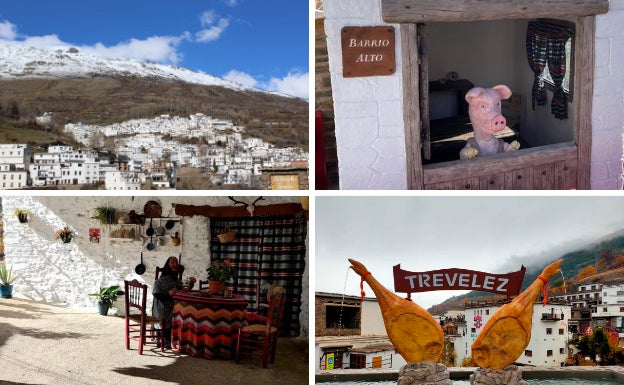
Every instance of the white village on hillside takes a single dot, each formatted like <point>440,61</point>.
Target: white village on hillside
<point>149,153</point>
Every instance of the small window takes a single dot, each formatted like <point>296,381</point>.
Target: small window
<point>549,353</point>
<point>528,353</point>
<point>473,330</point>
<point>357,361</point>
<point>548,330</point>
<point>561,331</point>
<point>561,350</point>
<point>487,311</point>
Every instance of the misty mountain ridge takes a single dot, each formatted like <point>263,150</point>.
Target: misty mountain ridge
<point>605,254</point>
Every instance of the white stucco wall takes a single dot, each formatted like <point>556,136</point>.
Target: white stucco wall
<point>370,135</point>
<point>372,321</point>
<point>64,274</point>
<point>607,111</point>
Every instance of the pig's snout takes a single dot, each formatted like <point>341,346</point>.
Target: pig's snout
<point>498,123</point>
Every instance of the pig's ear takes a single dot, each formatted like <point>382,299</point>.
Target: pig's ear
<point>503,91</point>
<point>474,93</point>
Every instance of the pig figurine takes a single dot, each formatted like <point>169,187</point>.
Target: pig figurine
<point>484,108</point>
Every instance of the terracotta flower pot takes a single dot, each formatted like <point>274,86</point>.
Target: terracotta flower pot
<point>216,287</point>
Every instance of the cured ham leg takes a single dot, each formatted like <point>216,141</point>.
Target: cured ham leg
<point>411,329</point>
<point>508,332</point>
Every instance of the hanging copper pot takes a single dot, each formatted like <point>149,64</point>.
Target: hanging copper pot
<point>152,209</point>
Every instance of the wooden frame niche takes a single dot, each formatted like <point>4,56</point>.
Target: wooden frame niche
<point>556,166</point>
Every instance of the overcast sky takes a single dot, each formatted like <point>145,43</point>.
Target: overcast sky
<point>487,233</point>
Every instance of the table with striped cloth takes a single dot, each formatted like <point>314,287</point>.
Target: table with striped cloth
<point>207,326</point>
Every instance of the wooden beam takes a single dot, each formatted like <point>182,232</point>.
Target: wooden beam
<point>425,133</point>
<point>239,211</point>
<point>583,95</point>
<point>410,11</point>
<point>411,109</point>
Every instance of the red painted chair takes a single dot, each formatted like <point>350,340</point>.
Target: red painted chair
<point>138,323</point>
<point>262,336</point>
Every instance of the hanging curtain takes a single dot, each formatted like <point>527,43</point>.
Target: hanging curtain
<point>536,47</point>
<point>545,43</point>
<point>267,250</point>
<point>243,252</point>
<point>283,262</point>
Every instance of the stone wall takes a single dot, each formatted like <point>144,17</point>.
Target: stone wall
<point>64,274</point>
<point>324,103</point>
<point>320,317</point>
<point>288,173</point>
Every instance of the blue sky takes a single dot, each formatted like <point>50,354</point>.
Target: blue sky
<point>259,43</point>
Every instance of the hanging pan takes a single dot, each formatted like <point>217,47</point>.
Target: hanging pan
<point>151,245</point>
<point>170,222</point>
<point>140,268</point>
<point>160,230</point>
<point>150,230</point>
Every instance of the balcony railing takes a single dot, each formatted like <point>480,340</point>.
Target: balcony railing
<point>552,317</point>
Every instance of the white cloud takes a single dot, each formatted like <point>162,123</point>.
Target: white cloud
<point>295,84</point>
<point>47,41</point>
<point>241,78</point>
<point>162,49</point>
<point>207,18</point>
<point>8,31</point>
<point>231,3</point>
<point>213,26</point>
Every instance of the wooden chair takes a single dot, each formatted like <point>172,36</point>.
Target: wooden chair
<point>159,271</point>
<point>264,336</point>
<point>260,316</point>
<point>138,323</point>
<point>203,285</point>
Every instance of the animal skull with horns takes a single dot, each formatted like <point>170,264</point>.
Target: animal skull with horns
<point>249,206</point>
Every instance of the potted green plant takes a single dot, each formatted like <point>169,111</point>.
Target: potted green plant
<point>66,234</point>
<point>21,214</point>
<point>106,297</point>
<point>218,273</point>
<point>105,214</point>
<point>6,281</point>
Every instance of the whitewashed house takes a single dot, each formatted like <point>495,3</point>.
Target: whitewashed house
<point>610,311</point>
<point>122,180</point>
<point>549,334</point>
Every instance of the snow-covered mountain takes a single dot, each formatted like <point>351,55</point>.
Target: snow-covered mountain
<point>20,62</point>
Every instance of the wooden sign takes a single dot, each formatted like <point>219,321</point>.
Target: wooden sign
<point>457,279</point>
<point>285,182</point>
<point>368,51</point>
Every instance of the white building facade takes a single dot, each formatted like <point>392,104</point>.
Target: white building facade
<point>14,160</point>
<point>549,334</point>
<point>610,312</point>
